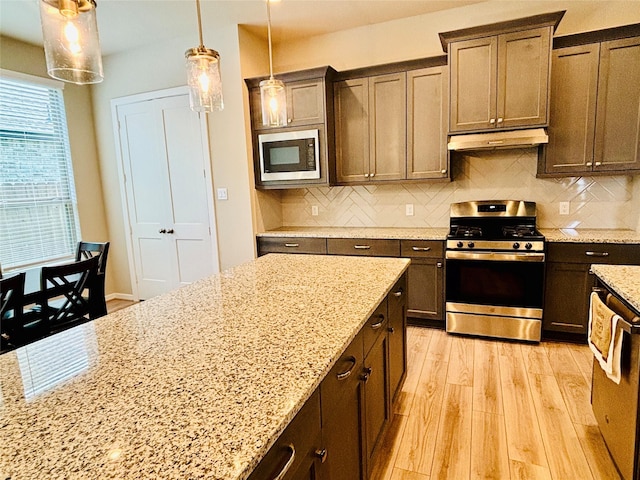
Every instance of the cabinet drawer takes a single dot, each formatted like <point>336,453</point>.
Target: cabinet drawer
<point>362,246</point>
<point>346,370</point>
<point>303,434</point>
<point>422,248</point>
<point>593,253</point>
<point>291,245</point>
<point>376,325</point>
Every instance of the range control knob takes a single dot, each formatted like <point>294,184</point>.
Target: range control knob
<point>471,244</point>
<point>459,244</point>
<point>528,246</point>
<point>516,245</point>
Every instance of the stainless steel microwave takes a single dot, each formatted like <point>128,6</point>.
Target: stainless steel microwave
<point>289,155</point>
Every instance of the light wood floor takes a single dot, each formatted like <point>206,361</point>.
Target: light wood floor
<point>117,304</point>
<point>473,408</point>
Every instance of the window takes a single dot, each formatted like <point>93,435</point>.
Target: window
<point>38,207</point>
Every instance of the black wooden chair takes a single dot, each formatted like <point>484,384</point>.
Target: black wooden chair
<point>17,327</point>
<point>64,305</point>
<point>96,296</point>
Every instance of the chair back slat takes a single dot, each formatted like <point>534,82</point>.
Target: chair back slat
<point>87,250</point>
<point>68,281</point>
<point>11,295</point>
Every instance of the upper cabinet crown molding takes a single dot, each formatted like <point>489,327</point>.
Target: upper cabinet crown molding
<point>536,21</point>
<point>597,36</point>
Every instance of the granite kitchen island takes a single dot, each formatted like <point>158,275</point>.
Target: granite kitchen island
<point>197,383</point>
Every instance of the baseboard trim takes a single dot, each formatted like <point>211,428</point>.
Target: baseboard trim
<point>119,296</point>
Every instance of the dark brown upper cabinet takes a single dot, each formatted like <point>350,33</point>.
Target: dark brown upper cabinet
<point>595,106</point>
<point>499,74</point>
<point>309,105</point>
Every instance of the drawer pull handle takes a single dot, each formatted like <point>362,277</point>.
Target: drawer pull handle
<point>398,293</point>
<point>289,463</point>
<point>420,249</point>
<point>292,245</point>
<point>362,247</point>
<point>343,375</point>
<point>596,254</point>
<point>376,326</point>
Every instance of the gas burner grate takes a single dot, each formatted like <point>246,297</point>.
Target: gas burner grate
<point>518,231</point>
<point>464,231</point>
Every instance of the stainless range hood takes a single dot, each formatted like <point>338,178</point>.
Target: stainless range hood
<point>498,140</point>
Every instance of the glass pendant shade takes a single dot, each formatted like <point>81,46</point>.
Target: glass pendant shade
<point>71,44</point>
<point>273,99</point>
<point>203,79</point>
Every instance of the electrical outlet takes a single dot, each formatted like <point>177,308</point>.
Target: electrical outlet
<point>564,208</point>
<point>409,209</point>
<point>222,194</point>
<point>314,210</point>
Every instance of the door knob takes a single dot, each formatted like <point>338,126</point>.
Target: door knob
<point>170,230</point>
<point>162,230</point>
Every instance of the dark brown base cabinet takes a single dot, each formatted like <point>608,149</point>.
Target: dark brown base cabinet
<point>337,432</point>
<point>426,278</point>
<point>568,282</point>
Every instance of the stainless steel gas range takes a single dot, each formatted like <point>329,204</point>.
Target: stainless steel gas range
<point>495,270</point>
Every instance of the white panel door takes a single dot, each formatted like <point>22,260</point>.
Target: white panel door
<point>168,193</point>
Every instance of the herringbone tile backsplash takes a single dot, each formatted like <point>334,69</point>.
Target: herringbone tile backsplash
<point>595,202</point>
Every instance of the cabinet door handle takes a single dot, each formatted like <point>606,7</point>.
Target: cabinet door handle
<point>345,374</point>
<point>365,375</point>
<point>598,164</point>
<point>596,254</point>
<point>289,463</point>
<point>443,171</point>
<point>398,293</point>
<point>492,121</point>
<point>589,164</point>
<point>321,454</point>
<point>439,264</point>
<point>362,247</point>
<point>366,175</point>
<point>420,249</point>
<point>377,325</point>
<point>500,120</point>
<point>291,245</point>
<point>390,330</point>
<point>373,174</point>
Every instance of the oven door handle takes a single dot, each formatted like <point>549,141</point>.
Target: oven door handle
<point>495,256</point>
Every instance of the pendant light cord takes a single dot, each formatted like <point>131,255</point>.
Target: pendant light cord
<point>269,35</point>
<point>200,25</point>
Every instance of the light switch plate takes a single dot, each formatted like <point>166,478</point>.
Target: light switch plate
<point>409,209</point>
<point>222,194</point>
<point>564,208</point>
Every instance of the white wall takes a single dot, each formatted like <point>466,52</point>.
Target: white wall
<point>160,67</point>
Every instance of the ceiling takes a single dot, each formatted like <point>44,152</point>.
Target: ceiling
<point>126,24</point>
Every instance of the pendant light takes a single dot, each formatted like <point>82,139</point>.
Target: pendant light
<point>203,75</point>
<point>272,94</point>
<point>71,44</point>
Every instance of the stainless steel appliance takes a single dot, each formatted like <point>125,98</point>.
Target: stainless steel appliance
<point>495,270</point>
<point>290,155</point>
<point>617,406</point>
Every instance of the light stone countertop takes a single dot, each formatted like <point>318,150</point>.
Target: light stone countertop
<point>551,234</point>
<point>623,279</point>
<point>196,383</point>
<point>390,233</point>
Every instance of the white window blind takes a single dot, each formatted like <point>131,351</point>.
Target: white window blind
<point>38,207</point>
